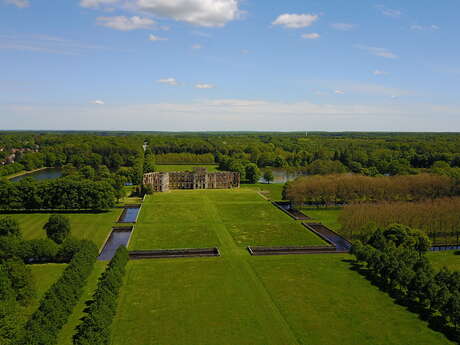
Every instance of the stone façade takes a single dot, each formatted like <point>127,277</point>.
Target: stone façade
<point>199,178</point>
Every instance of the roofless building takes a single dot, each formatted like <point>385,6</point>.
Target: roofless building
<point>199,178</point>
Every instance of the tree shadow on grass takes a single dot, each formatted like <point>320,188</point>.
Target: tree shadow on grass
<point>435,322</point>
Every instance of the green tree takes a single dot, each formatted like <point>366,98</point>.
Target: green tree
<point>268,176</point>
<point>252,173</point>
<point>57,228</point>
<point>9,227</point>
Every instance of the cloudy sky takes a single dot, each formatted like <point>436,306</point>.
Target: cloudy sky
<point>230,65</point>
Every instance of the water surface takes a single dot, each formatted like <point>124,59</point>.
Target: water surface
<point>44,174</point>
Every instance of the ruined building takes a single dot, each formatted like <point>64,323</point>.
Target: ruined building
<point>199,178</point>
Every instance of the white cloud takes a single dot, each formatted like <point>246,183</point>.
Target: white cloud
<point>339,92</point>
<point>312,36</point>
<point>197,46</point>
<point>343,26</point>
<point>123,23</point>
<point>389,12</point>
<point>157,38</point>
<point>382,52</point>
<point>204,86</point>
<point>417,27</point>
<point>295,21</point>
<point>18,3</point>
<point>206,13</point>
<point>168,81</point>
<point>96,3</point>
<point>379,72</point>
<point>97,102</point>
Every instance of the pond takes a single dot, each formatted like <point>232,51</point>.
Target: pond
<point>44,174</point>
<point>282,175</point>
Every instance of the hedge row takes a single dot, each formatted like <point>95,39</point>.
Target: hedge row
<point>56,306</point>
<point>95,328</point>
<point>406,273</point>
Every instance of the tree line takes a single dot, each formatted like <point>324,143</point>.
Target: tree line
<point>350,188</point>
<point>393,258</point>
<point>184,158</point>
<point>95,327</point>
<point>439,218</point>
<point>17,285</point>
<point>59,194</point>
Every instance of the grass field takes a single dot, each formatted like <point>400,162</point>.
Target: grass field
<point>184,167</point>
<point>204,218</point>
<point>92,226</point>
<point>448,258</point>
<point>327,216</point>
<point>272,191</point>
<point>44,276</point>
<point>326,303</point>
<point>67,332</point>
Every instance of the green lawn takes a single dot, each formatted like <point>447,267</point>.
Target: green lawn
<point>327,216</point>
<point>184,167</point>
<point>193,302</point>
<point>326,303</point>
<point>272,191</point>
<point>448,258</point>
<point>203,218</point>
<point>44,276</point>
<point>67,332</point>
<point>92,226</point>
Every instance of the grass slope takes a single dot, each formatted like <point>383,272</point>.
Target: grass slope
<point>326,303</point>
<point>327,216</point>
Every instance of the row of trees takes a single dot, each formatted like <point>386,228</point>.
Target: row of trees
<point>184,158</point>
<point>348,188</point>
<point>95,328</point>
<point>439,218</point>
<point>59,301</point>
<point>394,259</point>
<point>65,193</point>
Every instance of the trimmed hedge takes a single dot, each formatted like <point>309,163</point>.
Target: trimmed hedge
<point>95,328</point>
<point>59,301</point>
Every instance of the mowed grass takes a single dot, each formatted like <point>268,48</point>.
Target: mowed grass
<point>448,258</point>
<point>67,332</point>
<point>326,303</point>
<point>184,167</point>
<point>189,302</point>
<point>44,276</point>
<point>272,191</point>
<point>90,226</point>
<point>326,216</point>
<point>192,218</point>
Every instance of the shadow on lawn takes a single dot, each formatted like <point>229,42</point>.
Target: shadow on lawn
<point>435,321</point>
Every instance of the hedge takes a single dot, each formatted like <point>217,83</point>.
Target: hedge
<point>95,328</point>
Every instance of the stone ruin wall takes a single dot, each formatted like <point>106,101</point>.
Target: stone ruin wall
<point>199,178</point>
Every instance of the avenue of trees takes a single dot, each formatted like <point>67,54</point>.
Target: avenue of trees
<point>17,285</point>
<point>95,328</point>
<point>439,218</point>
<point>393,258</point>
<point>348,188</point>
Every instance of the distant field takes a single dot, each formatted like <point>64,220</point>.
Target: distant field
<point>44,275</point>
<point>448,258</point>
<point>327,216</point>
<point>184,167</point>
<point>92,226</point>
<point>272,191</point>
<point>205,218</point>
<point>326,303</point>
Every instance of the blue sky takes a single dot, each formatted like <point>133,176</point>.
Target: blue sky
<point>229,65</point>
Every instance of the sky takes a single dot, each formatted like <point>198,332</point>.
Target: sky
<point>217,65</point>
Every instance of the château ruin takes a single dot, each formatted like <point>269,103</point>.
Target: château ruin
<point>199,178</point>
